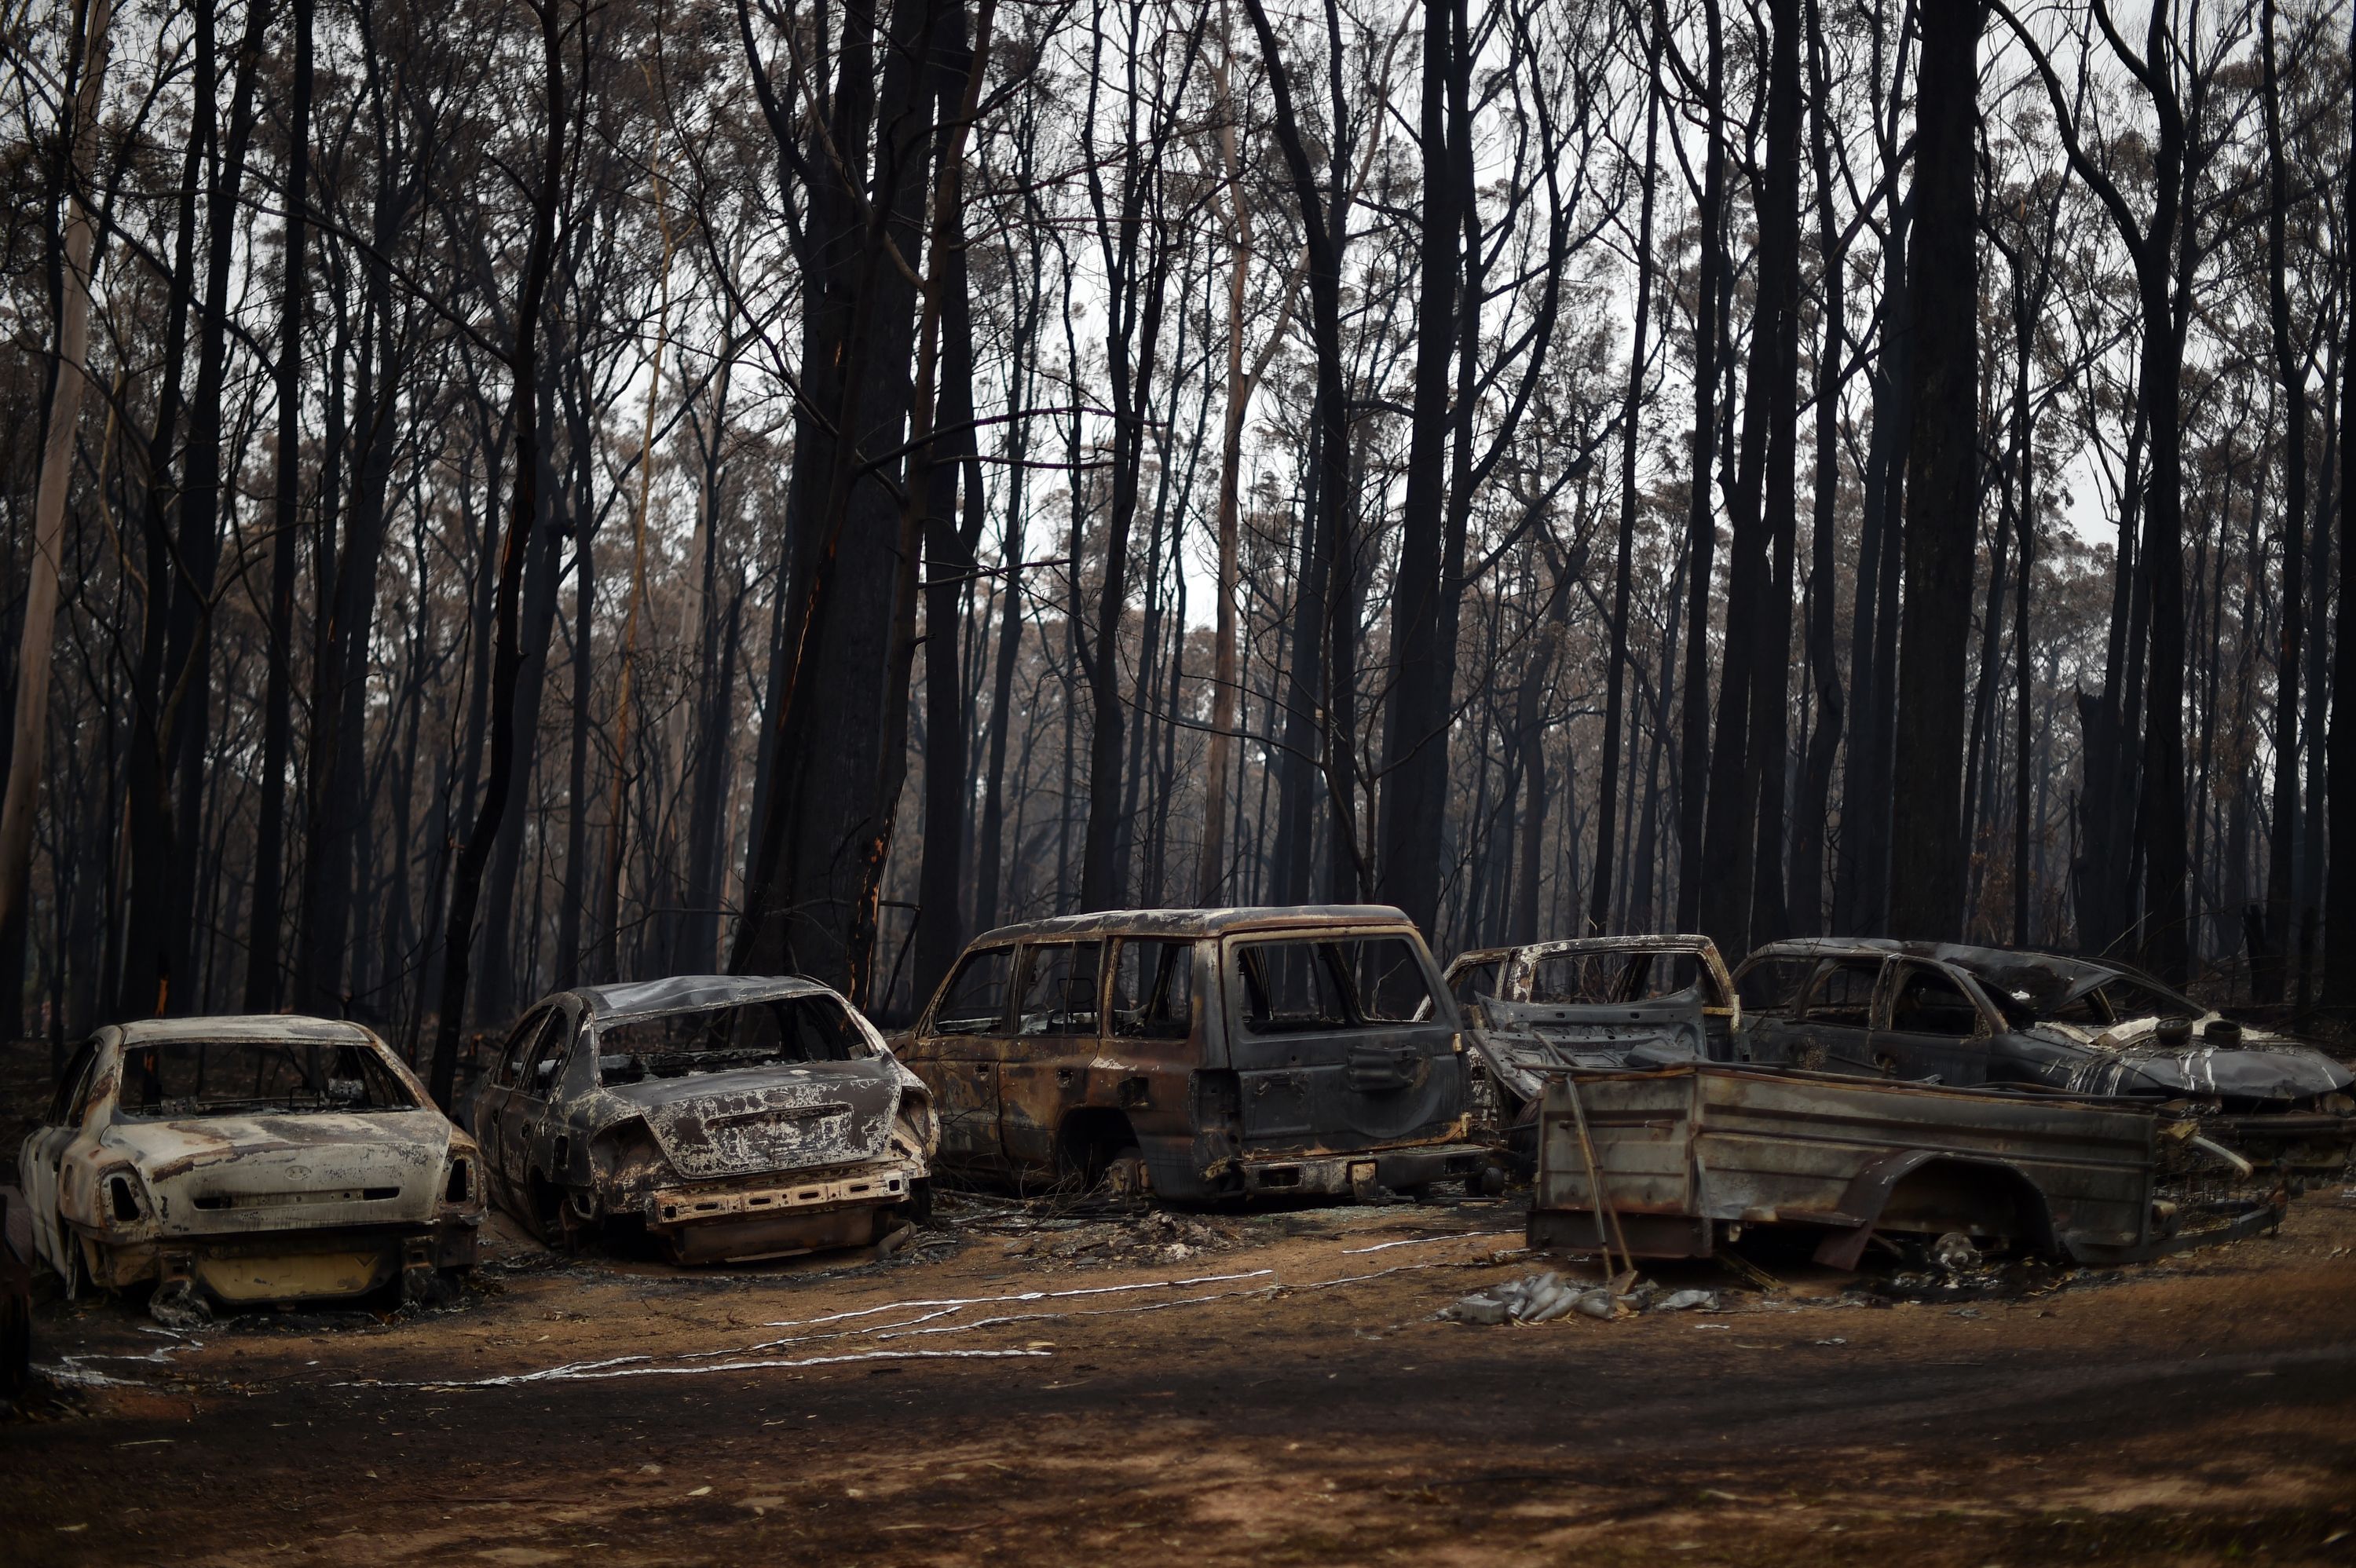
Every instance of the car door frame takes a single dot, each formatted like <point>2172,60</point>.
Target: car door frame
<point>1960,1061</point>
<point>1310,1065</point>
<point>962,1070</point>
<point>523,1113</point>
<point>45,1150</point>
<point>1803,1031</point>
<point>1046,1072</point>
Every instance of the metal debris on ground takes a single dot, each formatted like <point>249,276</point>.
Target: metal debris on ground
<point>1544,1297</point>
<point>1157,1235</point>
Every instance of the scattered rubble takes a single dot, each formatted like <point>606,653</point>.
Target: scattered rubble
<point>1155,1235</point>
<point>1544,1297</point>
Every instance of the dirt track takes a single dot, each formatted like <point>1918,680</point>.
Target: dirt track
<point>1261,1400</point>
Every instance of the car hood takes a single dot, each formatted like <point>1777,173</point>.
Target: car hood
<point>260,1172</point>
<point>2263,1069</point>
<point>761,1119</point>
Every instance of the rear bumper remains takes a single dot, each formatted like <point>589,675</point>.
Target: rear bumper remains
<point>1362,1175</point>
<point>743,1219</point>
<point>330,1263</point>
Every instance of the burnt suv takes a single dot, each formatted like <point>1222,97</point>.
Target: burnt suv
<point>1201,1054</point>
<point>1964,1016</point>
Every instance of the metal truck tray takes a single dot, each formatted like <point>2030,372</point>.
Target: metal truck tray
<point>1689,1155</point>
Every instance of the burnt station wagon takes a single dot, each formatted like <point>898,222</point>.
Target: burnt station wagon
<point>1198,1053</point>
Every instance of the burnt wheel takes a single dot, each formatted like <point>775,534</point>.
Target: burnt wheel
<point>1124,1173</point>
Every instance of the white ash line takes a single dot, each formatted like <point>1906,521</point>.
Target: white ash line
<point>955,1301</point>
<point>591,1371</point>
<point>1427,1240</point>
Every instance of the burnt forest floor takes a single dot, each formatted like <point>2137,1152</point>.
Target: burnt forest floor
<point>1034,1385</point>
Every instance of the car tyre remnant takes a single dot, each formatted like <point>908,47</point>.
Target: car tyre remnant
<point>1124,1173</point>
<point>178,1305</point>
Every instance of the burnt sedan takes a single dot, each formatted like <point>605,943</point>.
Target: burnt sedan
<point>1961,1015</point>
<point>232,1160</point>
<point>728,1119</point>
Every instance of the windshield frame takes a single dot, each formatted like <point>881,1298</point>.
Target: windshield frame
<point>599,1025</point>
<point>380,1073</point>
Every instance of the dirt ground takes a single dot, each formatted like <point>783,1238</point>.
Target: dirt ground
<point>1213,1388</point>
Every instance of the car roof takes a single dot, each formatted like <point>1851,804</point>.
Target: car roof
<point>1664,941</point>
<point>1998,965</point>
<point>1196,922</point>
<point>681,992</point>
<point>247,1026</point>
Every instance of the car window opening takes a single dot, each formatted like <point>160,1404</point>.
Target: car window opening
<point>244,1077</point>
<point>791,1029</point>
<point>1309,984</point>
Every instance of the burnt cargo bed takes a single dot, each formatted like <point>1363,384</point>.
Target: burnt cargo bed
<point>1689,1157</point>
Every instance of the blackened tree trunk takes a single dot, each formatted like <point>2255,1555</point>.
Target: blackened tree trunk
<point>1740,758</point>
<point>523,513</point>
<point>1861,881</point>
<point>1942,488</point>
<point>262,976</point>
<point>1135,288</point>
<point>951,541</point>
<point>1415,742</point>
<point>1607,806</point>
<point>1779,282</point>
<point>1327,523</point>
<point>188,655</point>
<point>1701,526</point>
<point>1804,908</point>
<point>336,813</point>
<point>2290,366</point>
<point>2339,889</point>
<point>808,897</point>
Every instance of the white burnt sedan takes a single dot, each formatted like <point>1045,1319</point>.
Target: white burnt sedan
<point>232,1160</point>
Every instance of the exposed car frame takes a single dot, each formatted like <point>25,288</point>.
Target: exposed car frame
<point>1520,1036</point>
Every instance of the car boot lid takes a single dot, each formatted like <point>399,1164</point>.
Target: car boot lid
<point>749,1120</point>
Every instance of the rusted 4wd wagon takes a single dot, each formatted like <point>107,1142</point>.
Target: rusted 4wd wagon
<point>1200,1053</point>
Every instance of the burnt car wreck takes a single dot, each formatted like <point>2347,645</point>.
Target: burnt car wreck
<point>1586,1002</point>
<point>1202,1053</point>
<point>234,1160</point>
<point>1964,1017</point>
<point>1678,1161</point>
<point>726,1118</point>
